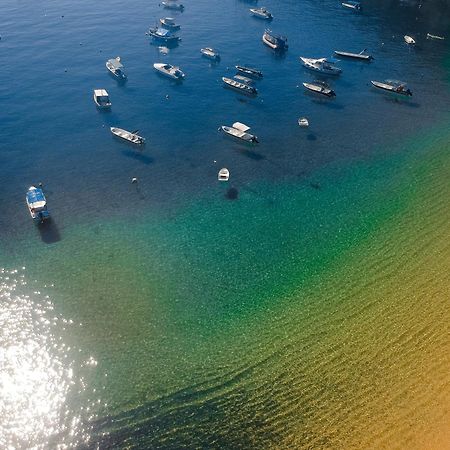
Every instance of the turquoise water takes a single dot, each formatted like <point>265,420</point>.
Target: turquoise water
<point>156,296</point>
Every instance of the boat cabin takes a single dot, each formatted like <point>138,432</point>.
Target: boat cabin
<point>101,98</point>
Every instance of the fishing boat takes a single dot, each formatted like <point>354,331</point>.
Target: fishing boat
<point>303,122</point>
<point>261,13</point>
<point>170,71</point>
<point>241,87</point>
<point>128,135</point>
<point>322,65</point>
<point>162,34</point>
<point>101,98</point>
<point>320,88</point>
<point>363,56</point>
<point>250,72</point>
<point>169,23</point>
<point>356,6</point>
<point>172,5</point>
<point>397,87</point>
<point>239,131</point>
<point>223,175</point>
<point>116,68</point>
<point>434,36</point>
<point>274,41</point>
<point>210,53</point>
<point>409,40</point>
<point>37,204</point>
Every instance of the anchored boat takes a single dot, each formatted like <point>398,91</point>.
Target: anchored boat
<point>356,6</point>
<point>397,87</point>
<point>435,37</point>
<point>128,135</point>
<point>170,71</point>
<point>261,13</point>
<point>162,34</point>
<point>239,131</point>
<point>363,56</point>
<point>101,98</point>
<point>37,204</point>
<point>223,175</point>
<point>250,72</point>
<point>320,87</point>
<point>409,39</point>
<point>169,23</point>
<point>115,67</point>
<point>210,53</point>
<point>172,5</point>
<point>242,87</point>
<point>322,65</point>
<point>274,41</point>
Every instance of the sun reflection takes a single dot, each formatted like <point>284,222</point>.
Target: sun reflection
<point>38,376</point>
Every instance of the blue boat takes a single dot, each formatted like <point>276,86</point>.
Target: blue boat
<point>37,204</point>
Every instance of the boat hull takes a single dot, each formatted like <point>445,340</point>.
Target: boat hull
<point>319,90</point>
<point>127,136</point>
<point>393,89</point>
<point>240,87</point>
<point>358,56</point>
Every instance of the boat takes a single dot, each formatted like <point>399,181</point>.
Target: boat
<point>243,79</point>
<point>116,68</point>
<point>210,53</point>
<point>356,6</point>
<point>274,41</point>
<point>320,88</point>
<point>162,34</point>
<point>433,36</point>
<point>249,71</point>
<point>239,131</point>
<point>361,55</point>
<point>172,5</point>
<point>303,122</point>
<point>169,23</point>
<point>37,204</point>
<point>101,98</point>
<point>128,135</point>
<point>322,65</point>
<point>261,13</point>
<point>223,175</point>
<point>170,71</point>
<point>397,87</point>
<point>409,40</point>
<point>242,87</point>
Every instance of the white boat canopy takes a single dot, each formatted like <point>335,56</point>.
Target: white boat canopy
<point>100,93</point>
<point>115,62</point>
<point>241,126</point>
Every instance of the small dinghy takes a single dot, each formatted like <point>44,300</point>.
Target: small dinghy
<point>169,71</point>
<point>169,23</point>
<point>128,135</point>
<point>115,67</point>
<point>101,98</point>
<point>239,131</point>
<point>397,87</point>
<point>322,65</point>
<point>303,122</point>
<point>320,87</point>
<point>170,4</point>
<point>363,56</point>
<point>163,34</point>
<point>241,87</point>
<point>223,174</point>
<point>435,37</point>
<point>249,71</point>
<point>37,204</point>
<point>274,41</point>
<point>210,53</point>
<point>409,40</point>
<point>356,6</point>
<point>261,13</point>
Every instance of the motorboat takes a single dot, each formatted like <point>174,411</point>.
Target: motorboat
<point>243,79</point>
<point>397,87</point>
<point>242,87</point>
<point>169,23</point>
<point>303,122</point>
<point>435,37</point>
<point>170,71</point>
<point>101,98</point>
<point>223,175</point>
<point>210,53</point>
<point>249,71</point>
<point>261,13</point>
<point>322,65</point>
<point>115,67</point>
<point>37,204</point>
<point>239,131</point>
<point>320,88</point>
<point>162,34</point>
<point>128,135</point>
<point>363,56</point>
<point>409,39</point>
<point>356,6</point>
<point>170,4</point>
<point>274,41</point>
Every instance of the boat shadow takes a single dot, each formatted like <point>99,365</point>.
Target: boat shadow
<point>138,156</point>
<point>119,81</point>
<point>49,232</point>
<point>170,45</point>
<point>251,154</point>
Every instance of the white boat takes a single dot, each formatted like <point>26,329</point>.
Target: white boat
<point>397,87</point>
<point>361,55</point>
<point>128,135</point>
<point>242,87</point>
<point>356,6</point>
<point>239,131</point>
<point>434,36</point>
<point>169,22</point>
<point>409,40</point>
<point>261,13</point>
<point>163,34</point>
<point>37,204</point>
<point>169,71</point>
<point>223,174</point>
<point>210,53</point>
<point>101,98</point>
<point>172,5</point>
<point>322,65</point>
<point>303,122</point>
<point>274,41</point>
<point>115,67</point>
<point>320,87</point>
